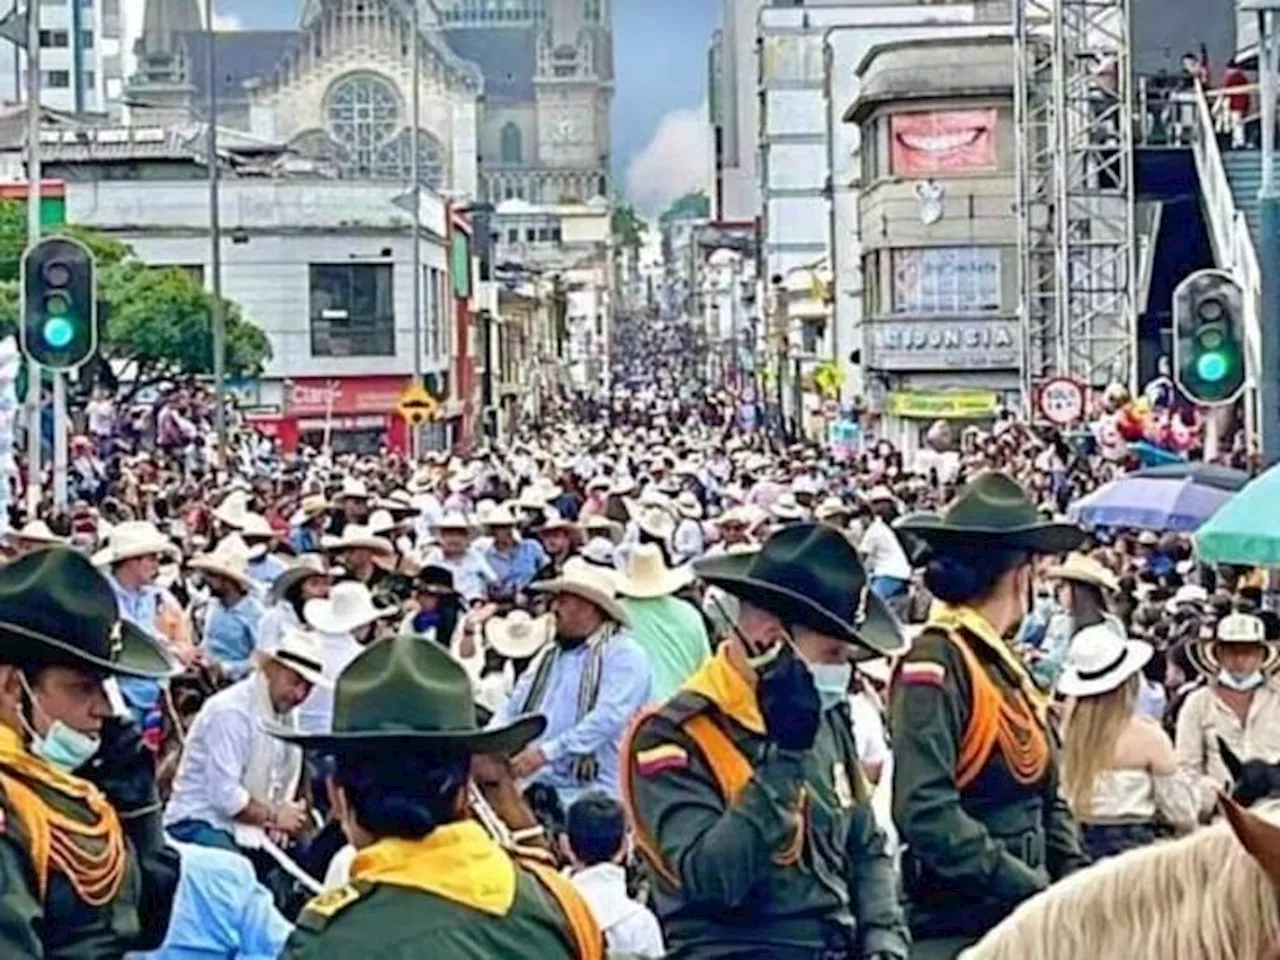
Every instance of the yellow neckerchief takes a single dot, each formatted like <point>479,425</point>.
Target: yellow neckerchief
<point>720,682</point>
<point>950,617</point>
<point>457,862</point>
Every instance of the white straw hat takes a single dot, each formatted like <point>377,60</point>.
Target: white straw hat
<point>1100,659</point>
<point>230,559</point>
<point>134,538</point>
<point>1242,628</point>
<point>302,651</point>
<point>647,576</point>
<point>518,635</point>
<point>37,531</point>
<point>1081,568</point>
<point>311,507</point>
<point>688,506</point>
<point>348,607</point>
<point>357,536</point>
<point>593,584</point>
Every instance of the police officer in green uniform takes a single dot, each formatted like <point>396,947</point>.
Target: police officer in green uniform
<point>750,808</point>
<point>84,874</point>
<point>427,881</point>
<point>975,784</point>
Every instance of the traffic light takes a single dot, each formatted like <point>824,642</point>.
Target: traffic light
<point>1208,337</point>
<point>59,307</point>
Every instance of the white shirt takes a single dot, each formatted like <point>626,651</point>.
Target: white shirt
<point>883,553</point>
<point>316,713</point>
<point>274,622</point>
<point>208,784</point>
<point>628,926</point>
<point>868,730</point>
<point>688,541</point>
<point>471,572</point>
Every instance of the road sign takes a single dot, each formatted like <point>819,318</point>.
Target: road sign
<point>1062,401</point>
<point>416,405</point>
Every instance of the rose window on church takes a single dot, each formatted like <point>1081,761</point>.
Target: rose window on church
<point>367,126</point>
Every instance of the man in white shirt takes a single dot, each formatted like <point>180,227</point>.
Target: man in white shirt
<point>887,565</point>
<point>472,575</point>
<point>596,842</point>
<point>233,775</point>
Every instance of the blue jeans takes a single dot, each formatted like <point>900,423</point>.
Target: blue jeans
<point>202,834</point>
<point>886,588</point>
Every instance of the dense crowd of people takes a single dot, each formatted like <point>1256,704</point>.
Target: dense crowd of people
<point>647,679</point>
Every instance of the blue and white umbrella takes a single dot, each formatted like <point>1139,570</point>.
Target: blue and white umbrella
<point>1172,504</point>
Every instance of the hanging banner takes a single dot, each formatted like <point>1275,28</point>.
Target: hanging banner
<point>931,405</point>
<point>943,141</point>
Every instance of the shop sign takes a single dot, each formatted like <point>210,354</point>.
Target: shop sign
<point>949,405</point>
<point>952,142</point>
<point>319,396</point>
<point>370,422</point>
<point>944,345</point>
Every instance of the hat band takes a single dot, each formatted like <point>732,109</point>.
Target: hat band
<point>292,659</point>
<point>1102,672</point>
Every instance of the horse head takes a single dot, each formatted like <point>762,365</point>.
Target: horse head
<point>1252,780</point>
<point>1257,835</point>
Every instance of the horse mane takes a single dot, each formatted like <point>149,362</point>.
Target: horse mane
<point>1201,897</point>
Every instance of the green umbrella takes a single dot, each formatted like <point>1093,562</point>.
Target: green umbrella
<point>1246,530</point>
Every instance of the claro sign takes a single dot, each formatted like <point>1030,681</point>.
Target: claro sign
<point>943,345</point>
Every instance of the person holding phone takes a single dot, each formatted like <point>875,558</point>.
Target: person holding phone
<point>751,811</point>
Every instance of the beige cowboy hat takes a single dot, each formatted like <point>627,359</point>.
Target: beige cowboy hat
<point>1187,595</point>
<point>230,559</point>
<point>303,568</point>
<point>233,508</point>
<point>131,539</point>
<point>315,505</point>
<point>518,636</point>
<point>357,536</point>
<point>555,521</point>
<point>832,507</point>
<point>880,494</point>
<point>598,525</point>
<point>1242,628</point>
<point>381,523</point>
<point>258,534</point>
<point>786,508</point>
<point>1082,568</point>
<point>734,517</point>
<point>302,651</point>
<point>452,521</point>
<point>37,531</point>
<point>647,575</point>
<point>353,489</point>
<point>1101,659</point>
<point>348,607</point>
<point>688,506</point>
<point>501,516</point>
<point>592,584</point>
<point>657,522</point>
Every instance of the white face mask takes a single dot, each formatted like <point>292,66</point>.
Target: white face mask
<point>831,681</point>
<point>61,746</point>
<point>1246,684</point>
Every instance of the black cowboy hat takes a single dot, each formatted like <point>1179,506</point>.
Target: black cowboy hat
<point>406,691</point>
<point>56,609</point>
<point>809,574</point>
<point>992,510</point>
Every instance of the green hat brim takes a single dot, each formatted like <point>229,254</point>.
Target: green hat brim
<point>880,634</point>
<point>500,742</point>
<point>1040,538</point>
<point>139,656</point>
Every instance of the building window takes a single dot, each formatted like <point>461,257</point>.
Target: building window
<point>513,235</point>
<point>352,310</point>
<point>946,280</point>
<point>86,39</point>
<point>54,39</point>
<point>88,79</point>
<point>55,79</point>
<point>531,235</point>
<point>512,145</point>
<point>366,123</point>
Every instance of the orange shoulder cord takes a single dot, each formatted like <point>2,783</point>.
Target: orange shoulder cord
<point>998,720</point>
<point>68,845</point>
<point>586,934</point>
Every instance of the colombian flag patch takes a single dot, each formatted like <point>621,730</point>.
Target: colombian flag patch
<point>668,756</point>
<point>923,673</point>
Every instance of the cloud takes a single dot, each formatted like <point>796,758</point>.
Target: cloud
<point>674,162</point>
<point>227,21</point>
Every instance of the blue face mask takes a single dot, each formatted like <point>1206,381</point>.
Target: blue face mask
<point>65,748</point>
<point>832,682</point>
<point>1245,684</point>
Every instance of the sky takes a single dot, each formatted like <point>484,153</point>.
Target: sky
<point>661,141</point>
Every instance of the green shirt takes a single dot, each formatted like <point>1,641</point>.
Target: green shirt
<point>673,635</point>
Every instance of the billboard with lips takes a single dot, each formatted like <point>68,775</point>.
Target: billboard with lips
<point>943,142</point>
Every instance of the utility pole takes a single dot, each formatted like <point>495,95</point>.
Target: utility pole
<point>218,318</point>
<point>33,235</point>
<point>1268,378</point>
<point>415,435</point>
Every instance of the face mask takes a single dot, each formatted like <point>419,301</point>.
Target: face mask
<point>62,747</point>
<point>832,682</point>
<point>1245,684</point>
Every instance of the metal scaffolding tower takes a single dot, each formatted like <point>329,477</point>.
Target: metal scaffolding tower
<point>1076,244</point>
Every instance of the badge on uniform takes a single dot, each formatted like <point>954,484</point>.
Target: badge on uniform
<point>322,908</point>
<point>923,673</point>
<point>668,756</point>
<point>844,786</point>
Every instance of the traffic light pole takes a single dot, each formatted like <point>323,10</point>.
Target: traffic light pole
<point>218,319</point>
<point>59,441</point>
<point>33,235</point>
<point>1268,378</point>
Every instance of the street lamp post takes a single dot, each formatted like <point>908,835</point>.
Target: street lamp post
<point>415,442</point>
<point>217,315</point>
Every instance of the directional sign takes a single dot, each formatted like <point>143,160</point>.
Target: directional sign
<point>1062,401</point>
<point>416,405</point>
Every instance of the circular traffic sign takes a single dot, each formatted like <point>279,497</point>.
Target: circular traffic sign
<point>1062,401</point>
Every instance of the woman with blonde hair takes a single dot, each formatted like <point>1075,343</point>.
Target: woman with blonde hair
<point>1120,774</point>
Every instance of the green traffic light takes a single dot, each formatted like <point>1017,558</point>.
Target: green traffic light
<point>58,332</point>
<point>1212,367</point>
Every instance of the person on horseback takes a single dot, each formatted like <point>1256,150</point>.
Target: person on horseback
<point>750,808</point>
<point>975,786</point>
<point>426,876</point>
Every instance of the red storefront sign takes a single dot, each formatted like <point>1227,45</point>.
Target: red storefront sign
<point>342,404</point>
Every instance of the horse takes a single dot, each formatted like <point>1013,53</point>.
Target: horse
<point>1252,780</point>
<point>509,816</point>
<point>1211,895</point>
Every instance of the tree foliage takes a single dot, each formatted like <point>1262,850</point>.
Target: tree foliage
<point>692,206</point>
<point>160,318</point>
<point>628,228</point>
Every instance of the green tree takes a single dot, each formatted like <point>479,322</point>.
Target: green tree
<point>692,206</point>
<point>628,228</point>
<point>159,319</point>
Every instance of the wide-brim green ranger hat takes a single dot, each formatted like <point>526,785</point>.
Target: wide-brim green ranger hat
<point>56,609</point>
<point>993,510</point>
<point>809,574</point>
<point>407,691</point>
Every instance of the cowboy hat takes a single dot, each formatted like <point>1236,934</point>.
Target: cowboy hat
<point>37,531</point>
<point>231,511</point>
<point>734,517</point>
<point>381,522</point>
<point>309,508</point>
<point>131,539</point>
<point>687,506</point>
<point>647,576</point>
<point>1242,628</point>
<point>1082,568</point>
<point>55,608</point>
<point>301,650</point>
<point>600,552</point>
<point>1101,659</point>
<point>356,536</point>
<point>832,507</point>
<point>303,568</point>
<point>992,510</point>
<point>501,516</point>
<point>786,508</point>
<point>1187,595</point>
<point>591,583</point>
<point>404,693</point>
<point>348,607</point>
<point>435,579</point>
<point>554,521</point>
<point>230,559</point>
<point>353,489</point>
<point>452,521</point>
<point>598,525</point>
<point>810,574</point>
<point>518,636</point>
<point>880,494</point>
